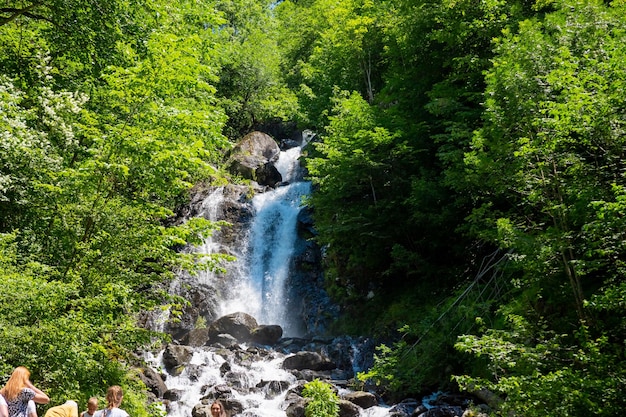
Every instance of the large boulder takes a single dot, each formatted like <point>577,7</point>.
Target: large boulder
<point>308,360</point>
<point>253,158</point>
<point>348,409</point>
<point>196,337</point>
<point>361,398</point>
<point>176,357</point>
<point>153,380</point>
<point>239,325</point>
<point>201,410</point>
<point>268,175</point>
<point>267,334</point>
<point>295,406</point>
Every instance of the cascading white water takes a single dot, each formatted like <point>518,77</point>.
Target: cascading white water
<point>258,278</point>
<point>205,370</point>
<point>272,242</point>
<point>257,287</point>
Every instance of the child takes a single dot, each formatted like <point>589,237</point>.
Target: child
<point>92,407</point>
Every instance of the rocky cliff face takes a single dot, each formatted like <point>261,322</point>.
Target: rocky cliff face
<point>305,297</point>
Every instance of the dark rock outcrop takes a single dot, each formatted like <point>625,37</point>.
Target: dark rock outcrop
<point>308,360</point>
<point>253,158</point>
<point>176,357</point>
<point>348,409</point>
<point>361,398</point>
<point>153,381</point>
<point>196,337</point>
<point>239,325</point>
<point>268,334</point>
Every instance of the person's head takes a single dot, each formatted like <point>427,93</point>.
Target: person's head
<point>16,383</point>
<point>72,408</point>
<point>92,405</point>
<point>114,396</point>
<point>217,409</point>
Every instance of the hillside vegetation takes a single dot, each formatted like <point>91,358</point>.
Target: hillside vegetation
<point>469,182</point>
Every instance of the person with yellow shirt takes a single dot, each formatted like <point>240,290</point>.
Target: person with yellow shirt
<point>69,409</point>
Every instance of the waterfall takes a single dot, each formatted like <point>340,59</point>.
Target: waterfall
<point>260,275</point>
<point>254,380</point>
<point>272,244</point>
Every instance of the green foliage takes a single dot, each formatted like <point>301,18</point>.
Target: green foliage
<point>540,373</point>
<point>423,357</point>
<point>322,400</point>
<point>446,129</point>
<point>330,45</point>
<point>250,87</point>
<point>549,156</point>
<point>355,158</point>
<point>91,171</point>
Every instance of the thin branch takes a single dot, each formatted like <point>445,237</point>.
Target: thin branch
<point>26,11</point>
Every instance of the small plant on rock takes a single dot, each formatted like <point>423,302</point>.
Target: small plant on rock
<point>323,401</point>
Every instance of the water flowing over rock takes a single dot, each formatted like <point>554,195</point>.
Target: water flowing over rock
<point>250,335</point>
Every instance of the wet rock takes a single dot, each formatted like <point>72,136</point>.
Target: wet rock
<point>225,367</point>
<point>308,375</point>
<point>201,410</point>
<point>236,379</point>
<point>154,381</point>
<point>224,340</point>
<point>348,409</point>
<point>196,337</point>
<point>296,408</point>
<point>216,392</point>
<point>361,398</point>
<point>419,410</point>
<point>269,175</point>
<point>176,357</point>
<point>405,407</point>
<point>272,389</point>
<point>443,411</point>
<point>308,360</point>
<point>193,372</point>
<point>267,334</point>
<point>173,394</point>
<point>239,325</point>
<point>231,406</point>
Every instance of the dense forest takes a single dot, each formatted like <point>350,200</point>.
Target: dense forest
<point>469,174</point>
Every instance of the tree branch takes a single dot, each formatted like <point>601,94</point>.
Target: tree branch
<point>14,13</point>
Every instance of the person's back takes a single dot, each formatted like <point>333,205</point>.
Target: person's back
<point>32,409</point>
<point>114,400</point>
<point>69,409</point>
<point>18,391</point>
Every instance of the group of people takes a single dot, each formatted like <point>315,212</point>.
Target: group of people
<point>18,398</point>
